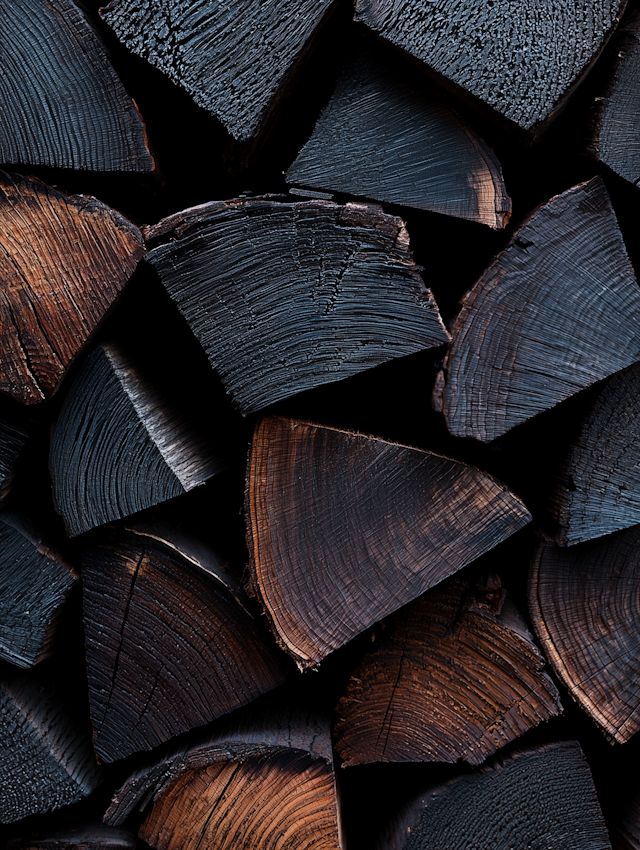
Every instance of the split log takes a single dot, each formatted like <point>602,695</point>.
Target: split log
<point>540,797</point>
<point>264,780</point>
<point>171,644</point>
<point>583,604</point>
<point>456,675</point>
<point>34,584</point>
<point>235,61</point>
<point>64,260</point>
<point>522,66</point>
<point>285,297</point>
<point>63,104</point>
<point>625,827</point>
<point>15,431</point>
<point>90,836</point>
<point>555,312</point>
<point>383,136</point>
<point>45,761</point>
<point>115,412</point>
<point>344,528</point>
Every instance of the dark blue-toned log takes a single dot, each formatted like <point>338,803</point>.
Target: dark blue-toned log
<point>171,641</point>
<point>455,675</point>
<point>384,135</point>
<point>344,528</point>
<point>584,607</point>
<point>14,435</point>
<point>235,60</point>
<point>85,836</point>
<point>541,797</point>
<point>543,51</point>
<point>34,584</point>
<point>284,297</point>
<point>555,312</point>
<point>63,104</point>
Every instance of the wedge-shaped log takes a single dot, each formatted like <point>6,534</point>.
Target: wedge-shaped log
<point>555,312</point>
<point>284,297</point>
<point>583,606</point>
<point>14,435</point>
<point>115,411</point>
<point>62,103</point>
<point>234,60</point>
<point>384,136</point>
<point>86,836</point>
<point>45,760</point>
<point>456,675</point>
<point>522,66</point>
<point>171,643</point>
<point>63,261</point>
<point>264,781</point>
<point>34,584</point>
<point>343,529</point>
<point>541,797</point>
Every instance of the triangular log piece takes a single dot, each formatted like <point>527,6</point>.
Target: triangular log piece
<point>344,528</point>
<point>543,798</point>
<point>544,51</point>
<point>597,492</point>
<point>63,104</point>
<point>87,836</point>
<point>583,606</point>
<point>384,136</point>
<point>616,131</point>
<point>114,411</point>
<point>45,761</point>
<point>171,642</point>
<point>456,675</point>
<point>63,261</point>
<point>555,312</point>
<point>265,780</point>
<point>34,584</point>
<point>285,297</point>
<point>15,431</point>
<point>213,50</point>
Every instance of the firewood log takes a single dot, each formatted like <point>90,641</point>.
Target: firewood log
<point>624,827</point>
<point>344,528</point>
<point>541,797</point>
<point>456,675</point>
<point>264,780</point>
<point>15,430</point>
<point>234,60</point>
<point>522,66</point>
<point>383,136</point>
<point>34,584</point>
<point>583,606</point>
<point>171,643</point>
<point>120,445</point>
<point>555,312</point>
<point>64,261</point>
<point>45,761</point>
<point>87,836</point>
<point>63,104</point>
<point>285,297</point>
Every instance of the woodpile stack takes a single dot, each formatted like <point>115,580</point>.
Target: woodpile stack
<point>319,425</point>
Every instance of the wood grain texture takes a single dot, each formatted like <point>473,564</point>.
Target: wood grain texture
<point>34,584</point>
<point>171,641</point>
<point>14,436</point>
<point>344,528</point>
<point>45,761</point>
<point>555,312</point>
<point>64,260</point>
<point>86,836</point>
<point>585,608</point>
<point>455,675</point>
<point>521,63</point>
<point>63,104</point>
<point>284,297</point>
<point>384,136</point>
<point>213,50</point>
<point>119,446</point>
<point>542,798</point>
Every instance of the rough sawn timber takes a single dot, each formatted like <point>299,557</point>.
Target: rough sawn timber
<point>343,529</point>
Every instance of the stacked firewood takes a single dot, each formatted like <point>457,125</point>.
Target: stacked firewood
<point>320,425</point>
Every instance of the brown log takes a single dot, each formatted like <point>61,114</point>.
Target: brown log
<point>555,312</point>
<point>455,675</point>
<point>343,529</point>
<point>64,262</point>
